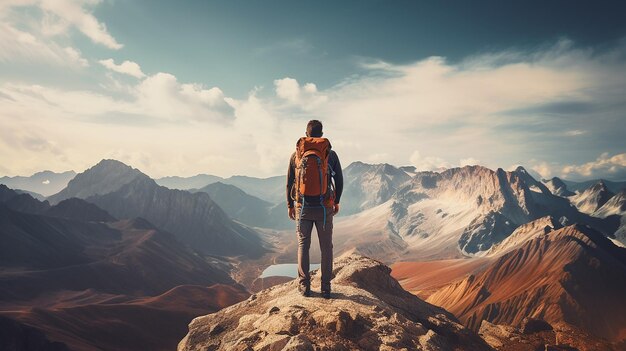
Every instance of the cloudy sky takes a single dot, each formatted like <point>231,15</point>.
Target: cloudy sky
<point>226,87</point>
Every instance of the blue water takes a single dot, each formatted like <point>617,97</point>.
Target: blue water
<point>285,270</point>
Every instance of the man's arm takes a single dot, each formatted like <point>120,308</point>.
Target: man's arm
<point>338,177</point>
<point>291,176</point>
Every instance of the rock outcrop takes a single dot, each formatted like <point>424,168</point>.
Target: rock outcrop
<point>369,311</point>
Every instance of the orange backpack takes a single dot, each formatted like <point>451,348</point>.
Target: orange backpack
<point>312,176</point>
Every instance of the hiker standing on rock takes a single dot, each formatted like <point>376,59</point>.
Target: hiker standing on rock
<point>314,184</point>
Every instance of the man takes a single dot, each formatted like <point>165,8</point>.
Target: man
<point>317,206</point>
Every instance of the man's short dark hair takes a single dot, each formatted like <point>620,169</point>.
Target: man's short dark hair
<point>314,128</point>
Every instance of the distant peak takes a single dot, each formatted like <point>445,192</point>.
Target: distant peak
<point>111,162</point>
<point>599,186</point>
<point>521,169</point>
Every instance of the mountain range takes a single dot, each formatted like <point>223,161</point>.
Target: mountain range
<point>492,247</point>
<point>195,219</point>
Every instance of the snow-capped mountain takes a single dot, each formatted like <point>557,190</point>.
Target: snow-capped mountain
<point>592,198</point>
<point>460,211</point>
<point>579,187</point>
<point>367,186</point>
<point>614,206</point>
<point>558,187</point>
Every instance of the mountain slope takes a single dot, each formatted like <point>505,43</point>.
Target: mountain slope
<point>21,201</point>
<point>558,187</point>
<point>579,187</point>
<point>555,277</point>
<point>78,209</point>
<point>237,204</point>
<point>465,211</point>
<point>45,254</point>
<point>270,189</point>
<point>123,285</point>
<point>616,205</point>
<point>367,186</point>
<point>592,198</point>
<point>247,209</point>
<point>195,219</point>
<point>103,178</point>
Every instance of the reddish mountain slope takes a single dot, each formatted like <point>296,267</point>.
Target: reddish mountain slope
<point>425,278</point>
<point>573,275</point>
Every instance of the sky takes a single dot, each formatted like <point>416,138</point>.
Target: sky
<point>227,87</point>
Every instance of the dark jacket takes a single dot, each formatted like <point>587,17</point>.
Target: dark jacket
<point>333,162</point>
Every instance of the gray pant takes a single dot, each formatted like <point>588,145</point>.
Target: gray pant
<point>311,216</point>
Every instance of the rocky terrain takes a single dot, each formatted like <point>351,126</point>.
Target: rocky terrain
<point>369,311</point>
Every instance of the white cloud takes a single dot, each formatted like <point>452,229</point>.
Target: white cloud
<point>20,46</point>
<point>58,16</point>
<point>543,168</point>
<point>161,95</point>
<point>605,165</point>
<point>31,38</point>
<point>127,67</point>
<point>305,96</point>
<point>438,108</point>
<point>61,14</point>
<point>288,89</point>
<point>427,163</point>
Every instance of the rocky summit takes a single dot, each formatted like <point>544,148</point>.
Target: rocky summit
<point>369,310</point>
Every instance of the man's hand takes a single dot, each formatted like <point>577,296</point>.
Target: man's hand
<point>336,209</point>
<point>292,213</point>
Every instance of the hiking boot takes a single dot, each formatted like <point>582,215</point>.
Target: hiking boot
<point>304,290</point>
<point>326,294</point>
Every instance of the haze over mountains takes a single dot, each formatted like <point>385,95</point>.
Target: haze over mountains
<point>45,183</point>
<point>483,244</point>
